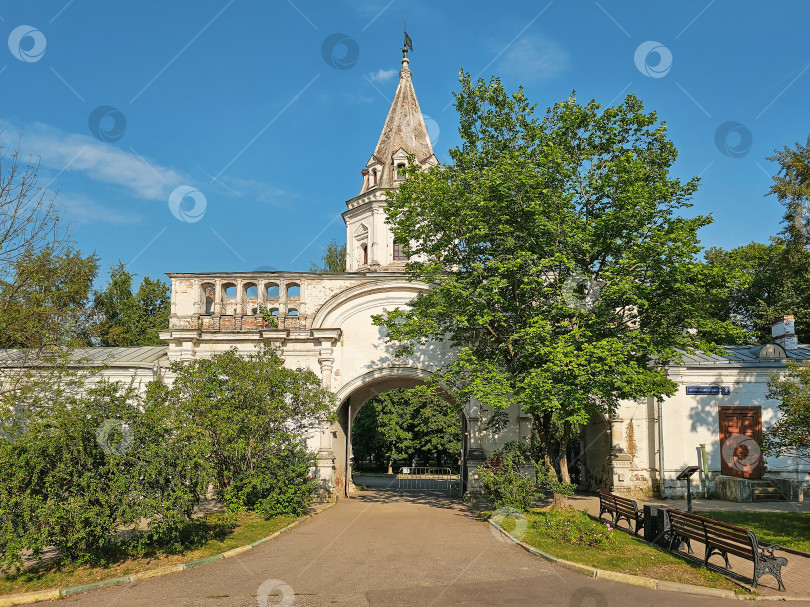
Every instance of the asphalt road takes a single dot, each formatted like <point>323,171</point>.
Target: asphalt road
<point>381,550</point>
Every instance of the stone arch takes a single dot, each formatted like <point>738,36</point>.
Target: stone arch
<point>353,395</point>
<point>335,310</point>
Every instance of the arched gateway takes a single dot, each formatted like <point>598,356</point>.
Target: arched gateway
<point>324,321</point>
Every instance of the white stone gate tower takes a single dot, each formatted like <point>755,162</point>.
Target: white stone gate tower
<point>323,321</point>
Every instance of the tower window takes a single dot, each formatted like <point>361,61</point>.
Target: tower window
<point>374,177</point>
<point>399,252</point>
<point>364,253</point>
<point>400,171</point>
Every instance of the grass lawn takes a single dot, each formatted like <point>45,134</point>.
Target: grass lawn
<point>788,529</point>
<point>212,533</point>
<point>626,555</point>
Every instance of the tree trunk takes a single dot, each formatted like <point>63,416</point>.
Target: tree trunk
<point>564,476</point>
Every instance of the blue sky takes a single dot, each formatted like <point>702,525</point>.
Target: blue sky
<point>252,107</point>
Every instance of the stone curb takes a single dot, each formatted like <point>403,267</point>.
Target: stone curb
<point>637,580</point>
<point>29,597</point>
<point>54,594</point>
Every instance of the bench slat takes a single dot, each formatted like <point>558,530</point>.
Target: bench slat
<point>714,535</point>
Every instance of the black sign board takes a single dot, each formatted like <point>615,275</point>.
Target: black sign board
<point>710,390</point>
<point>685,475</point>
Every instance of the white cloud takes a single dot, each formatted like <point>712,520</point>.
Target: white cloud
<point>533,57</point>
<point>61,151</point>
<point>382,75</point>
<point>259,191</point>
<point>83,210</point>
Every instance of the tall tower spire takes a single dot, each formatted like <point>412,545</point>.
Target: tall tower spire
<point>369,242</point>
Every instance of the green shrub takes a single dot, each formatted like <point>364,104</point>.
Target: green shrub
<point>83,473</point>
<point>504,481</point>
<point>253,415</point>
<point>279,486</point>
<point>573,527</point>
<point>95,463</point>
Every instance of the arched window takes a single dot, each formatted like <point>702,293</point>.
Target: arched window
<point>292,312</point>
<point>208,290</point>
<point>293,291</point>
<point>272,290</point>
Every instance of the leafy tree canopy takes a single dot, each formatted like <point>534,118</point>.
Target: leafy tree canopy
<point>561,266</point>
<point>790,434</point>
<point>124,318</point>
<point>407,423</point>
<point>97,461</point>
<point>762,282</point>
<point>333,259</point>
<point>791,185</point>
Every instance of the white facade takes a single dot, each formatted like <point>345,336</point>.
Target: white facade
<point>628,452</point>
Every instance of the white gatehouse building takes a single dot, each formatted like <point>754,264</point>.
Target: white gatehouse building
<point>324,323</point>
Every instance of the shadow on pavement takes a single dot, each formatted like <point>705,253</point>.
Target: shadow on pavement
<point>423,498</point>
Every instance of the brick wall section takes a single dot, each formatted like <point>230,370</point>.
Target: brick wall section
<point>190,310</point>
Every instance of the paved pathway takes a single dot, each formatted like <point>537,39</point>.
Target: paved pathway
<point>378,549</point>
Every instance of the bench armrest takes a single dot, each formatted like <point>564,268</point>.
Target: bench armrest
<point>768,550</point>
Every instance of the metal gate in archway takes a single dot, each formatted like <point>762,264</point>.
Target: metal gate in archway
<point>420,479</point>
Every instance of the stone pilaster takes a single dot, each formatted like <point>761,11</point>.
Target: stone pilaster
<point>620,460</point>
<point>325,464</point>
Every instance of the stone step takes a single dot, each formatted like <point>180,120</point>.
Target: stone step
<point>763,493</point>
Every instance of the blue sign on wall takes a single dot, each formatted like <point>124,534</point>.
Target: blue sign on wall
<point>709,390</point>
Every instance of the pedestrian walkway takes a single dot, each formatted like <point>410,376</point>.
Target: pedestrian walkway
<point>379,549</point>
<point>795,576</point>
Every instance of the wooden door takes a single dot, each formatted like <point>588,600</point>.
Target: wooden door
<point>740,436</point>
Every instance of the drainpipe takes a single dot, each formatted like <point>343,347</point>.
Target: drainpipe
<point>660,448</point>
<point>705,470</point>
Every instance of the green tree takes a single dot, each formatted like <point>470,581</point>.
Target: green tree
<point>394,412</point>
<point>333,259</point>
<point>253,415</point>
<point>791,185</point>
<point>437,427</point>
<point>127,319</point>
<point>407,423</point>
<point>761,282</point>
<point>560,267</point>
<point>790,434</point>
<point>44,290</point>
<point>368,444</point>
<point>44,304</point>
<point>98,461</point>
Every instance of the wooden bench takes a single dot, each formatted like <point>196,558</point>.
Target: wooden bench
<point>620,508</point>
<point>725,539</point>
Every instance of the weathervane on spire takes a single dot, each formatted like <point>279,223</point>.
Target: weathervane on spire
<point>408,45</point>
